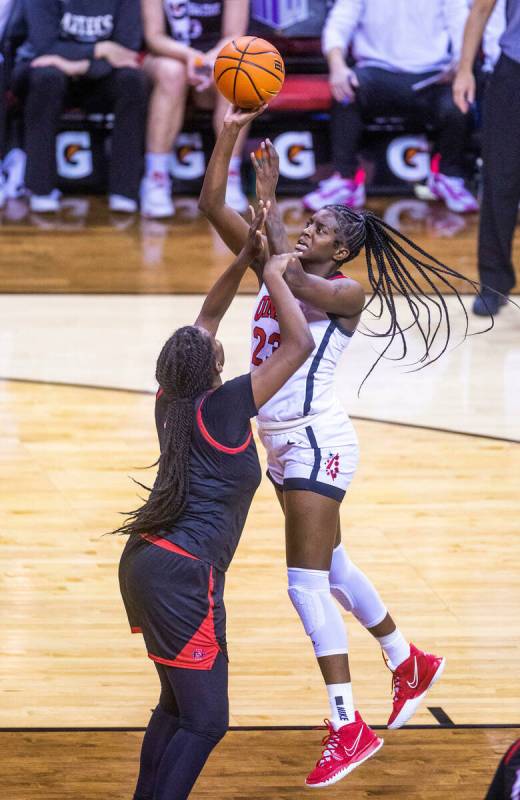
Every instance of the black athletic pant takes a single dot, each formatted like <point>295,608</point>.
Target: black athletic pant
<point>191,718</point>
<point>2,107</point>
<point>46,90</point>
<point>384,93</point>
<point>501,186</point>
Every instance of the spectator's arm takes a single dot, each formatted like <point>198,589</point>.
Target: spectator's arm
<point>122,49</point>
<point>235,20</point>
<point>157,41</point>
<point>456,13</point>
<point>464,84</point>
<point>128,27</point>
<point>340,25</point>
<point>43,24</point>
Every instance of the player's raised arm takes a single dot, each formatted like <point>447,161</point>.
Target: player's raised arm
<point>228,223</point>
<point>296,341</point>
<point>224,289</point>
<point>267,170</point>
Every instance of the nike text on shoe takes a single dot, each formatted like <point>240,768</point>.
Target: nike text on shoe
<point>343,751</point>
<point>410,682</point>
<point>453,192</point>
<point>156,196</point>
<point>346,191</point>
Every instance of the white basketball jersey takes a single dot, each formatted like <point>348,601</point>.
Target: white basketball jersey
<point>310,390</point>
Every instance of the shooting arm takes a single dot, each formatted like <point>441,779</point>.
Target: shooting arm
<point>344,297</point>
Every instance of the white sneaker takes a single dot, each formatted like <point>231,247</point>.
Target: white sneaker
<point>235,197</point>
<point>14,168</point>
<point>45,203</point>
<point>453,192</point>
<point>156,196</point>
<point>337,190</point>
<point>121,204</point>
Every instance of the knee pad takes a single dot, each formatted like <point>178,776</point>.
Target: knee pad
<point>309,591</point>
<point>354,591</point>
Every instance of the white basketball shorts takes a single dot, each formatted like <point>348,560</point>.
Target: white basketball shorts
<point>317,454</point>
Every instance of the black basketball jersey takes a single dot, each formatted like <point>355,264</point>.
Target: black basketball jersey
<point>224,472</point>
<point>506,783</point>
<point>197,23</point>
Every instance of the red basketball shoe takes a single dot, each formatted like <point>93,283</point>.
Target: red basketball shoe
<point>410,682</point>
<point>343,751</point>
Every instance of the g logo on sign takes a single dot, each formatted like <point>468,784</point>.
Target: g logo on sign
<point>409,157</point>
<point>73,154</point>
<point>188,160</point>
<point>296,154</point>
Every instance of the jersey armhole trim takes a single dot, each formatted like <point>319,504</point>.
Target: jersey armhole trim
<point>232,451</point>
<point>334,319</point>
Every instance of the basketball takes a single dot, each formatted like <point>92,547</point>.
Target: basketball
<point>249,71</point>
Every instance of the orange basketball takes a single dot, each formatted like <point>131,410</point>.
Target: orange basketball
<point>249,71</point>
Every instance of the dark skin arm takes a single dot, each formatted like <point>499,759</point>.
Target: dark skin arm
<point>227,222</point>
<point>267,172</point>
<point>344,298</point>
<point>224,289</point>
<point>296,339</point>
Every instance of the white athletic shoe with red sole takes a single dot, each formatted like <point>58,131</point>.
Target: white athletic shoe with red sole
<point>411,681</point>
<point>343,751</point>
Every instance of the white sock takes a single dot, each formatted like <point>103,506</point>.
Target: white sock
<point>396,647</point>
<point>341,702</point>
<point>234,165</point>
<point>157,162</point>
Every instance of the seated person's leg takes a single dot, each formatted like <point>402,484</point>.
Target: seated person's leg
<point>379,92</point>
<point>447,179</point>
<point>44,90</point>
<point>128,91</point>
<point>165,117</point>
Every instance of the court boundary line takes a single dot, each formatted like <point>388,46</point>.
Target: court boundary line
<point>244,728</point>
<point>151,393</point>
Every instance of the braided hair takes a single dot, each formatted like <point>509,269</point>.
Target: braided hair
<point>397,266</point>
<point>184,371</point>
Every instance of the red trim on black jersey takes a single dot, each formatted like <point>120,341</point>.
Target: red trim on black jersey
<point>160,393</point>
<point>515,747</point>
<point>135,629</point>
<point>209,438</point>
<point>202,649</point>
<point>167,545</point>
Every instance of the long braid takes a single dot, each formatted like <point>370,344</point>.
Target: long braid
<point>184,371</point>
<point>388,254</point>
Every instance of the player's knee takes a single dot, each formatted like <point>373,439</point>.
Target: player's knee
<point>169,74</point>
<point>210,724</point>
<point>309,591</point>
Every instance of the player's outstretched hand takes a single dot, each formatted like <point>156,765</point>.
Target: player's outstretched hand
<point>240,117</point>
<point>254,244</point>
<point>267,170</point>
<point>278,264</point>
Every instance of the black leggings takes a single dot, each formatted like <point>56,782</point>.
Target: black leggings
<point>191,718</point>
<point>46,90</point>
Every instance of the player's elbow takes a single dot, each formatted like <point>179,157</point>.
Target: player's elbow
<point>204,205</point>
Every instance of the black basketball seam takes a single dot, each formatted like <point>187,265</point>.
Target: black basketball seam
<point>243,52</point>
<point>251,64</point>
<point>252,83</point>
<point>253,39</point>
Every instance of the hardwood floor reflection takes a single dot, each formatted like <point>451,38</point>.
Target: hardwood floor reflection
<point>87,249</point>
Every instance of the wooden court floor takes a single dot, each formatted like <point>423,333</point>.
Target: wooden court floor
<point>432,517</point>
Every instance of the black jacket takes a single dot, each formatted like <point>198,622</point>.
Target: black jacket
<point>71,28</point>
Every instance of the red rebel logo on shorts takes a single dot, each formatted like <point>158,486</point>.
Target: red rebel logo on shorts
<point>199,654</point>
<point>332,466</point>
